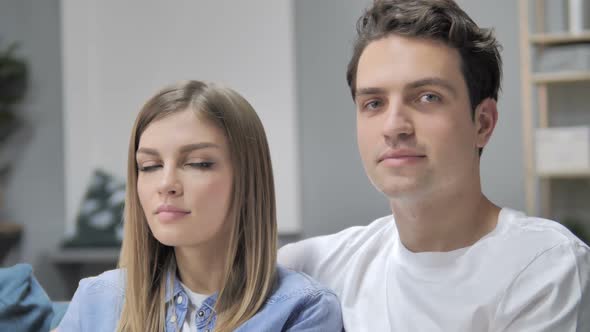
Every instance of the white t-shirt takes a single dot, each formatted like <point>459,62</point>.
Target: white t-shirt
<point>528,274</point>
<point>195,302</point>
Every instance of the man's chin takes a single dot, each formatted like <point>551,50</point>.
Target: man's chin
<point>400,189</point>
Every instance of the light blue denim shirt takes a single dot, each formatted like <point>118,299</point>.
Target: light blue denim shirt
<point>297,303</point>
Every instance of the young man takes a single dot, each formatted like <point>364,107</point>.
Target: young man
<point>425,80</point>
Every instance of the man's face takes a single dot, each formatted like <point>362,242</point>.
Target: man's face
<point>414,125</point>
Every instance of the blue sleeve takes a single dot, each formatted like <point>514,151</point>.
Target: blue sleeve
<point>71,319</point>
<point>96,305</point>
<point>24,305</point>
<point>321,312</point>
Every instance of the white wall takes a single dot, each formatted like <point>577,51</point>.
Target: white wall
<point>118,53</point>
<point>336,192</point>
<point>502,169</point>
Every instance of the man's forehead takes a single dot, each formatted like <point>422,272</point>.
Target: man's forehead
<point>403,60</point>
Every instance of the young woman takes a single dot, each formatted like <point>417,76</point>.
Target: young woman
<point>199,248</point>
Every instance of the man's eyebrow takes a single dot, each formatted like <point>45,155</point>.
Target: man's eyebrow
<point>369,91</point>
<point>183,150</point>
<point>433,81</point>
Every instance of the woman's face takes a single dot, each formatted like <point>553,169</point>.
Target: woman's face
<point>184,179</point>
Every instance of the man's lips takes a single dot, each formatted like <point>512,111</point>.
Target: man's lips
<point>401,154</point>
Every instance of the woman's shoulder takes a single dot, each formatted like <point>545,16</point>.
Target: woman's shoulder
<point>293,285</point>
<point>97,303</point>
<point>104,290</point>
<point>112,281</point>
<point>298,303</point>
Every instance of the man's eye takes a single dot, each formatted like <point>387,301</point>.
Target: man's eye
<point>429,98</point>
<point>372,105</point>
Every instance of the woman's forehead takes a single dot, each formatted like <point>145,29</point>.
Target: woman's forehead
<point>180,129</point>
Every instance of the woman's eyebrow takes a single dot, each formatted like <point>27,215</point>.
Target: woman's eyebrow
<point>198,146</point>
<point>183,149</point>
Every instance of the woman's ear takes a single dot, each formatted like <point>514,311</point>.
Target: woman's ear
<point>485,118</point>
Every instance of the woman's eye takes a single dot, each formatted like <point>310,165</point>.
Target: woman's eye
<point>429,98</point>
<point>149,168</point>
<point>201,165</point>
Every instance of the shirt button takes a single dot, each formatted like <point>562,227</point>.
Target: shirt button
<point>173,318</point>
<point>201,313</point>
<point>179,299</point>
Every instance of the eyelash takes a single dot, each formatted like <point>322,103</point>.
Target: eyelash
<point>438,98</point>
<point>205,165</point>
<point>148,168</point>
<point>201,165</point>
<point>366,106</point>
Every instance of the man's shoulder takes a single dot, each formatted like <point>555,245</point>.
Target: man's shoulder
<point>313,251</point>
<point>539,233</point>
<point>522,242</point>
<point>546,268</point>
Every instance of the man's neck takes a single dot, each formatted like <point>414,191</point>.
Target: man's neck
<point>446,222</point>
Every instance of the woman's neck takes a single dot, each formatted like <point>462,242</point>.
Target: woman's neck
<point>201,270</point>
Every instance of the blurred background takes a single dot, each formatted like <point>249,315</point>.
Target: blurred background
<point>74,74</point>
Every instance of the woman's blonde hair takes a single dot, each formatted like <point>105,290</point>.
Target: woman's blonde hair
<point>251,256</point>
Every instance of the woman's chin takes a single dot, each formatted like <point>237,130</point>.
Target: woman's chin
<point>178,240</point>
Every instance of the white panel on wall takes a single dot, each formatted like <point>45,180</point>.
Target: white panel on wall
<point>117,54</point>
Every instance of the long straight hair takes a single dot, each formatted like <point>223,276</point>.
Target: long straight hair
<point>250,267</point>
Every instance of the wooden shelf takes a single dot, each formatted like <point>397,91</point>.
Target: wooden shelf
<point>576,174</point>
<point>86,256</point>
<point>561,77</point>
<point>76,263</point>
<point>560,38</point>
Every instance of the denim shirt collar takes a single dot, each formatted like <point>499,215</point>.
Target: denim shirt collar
<point>177,290</point>
<point>176,287</point>
<point>177,304</point>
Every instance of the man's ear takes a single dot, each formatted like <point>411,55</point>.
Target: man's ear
<point>485,118</point>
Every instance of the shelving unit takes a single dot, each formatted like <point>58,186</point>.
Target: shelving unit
<point>562,77</point>
<point>565,175</point>
<point>549,39</point>
<point>535,106</point>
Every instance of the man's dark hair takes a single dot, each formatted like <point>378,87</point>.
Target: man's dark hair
<point>440,20</point>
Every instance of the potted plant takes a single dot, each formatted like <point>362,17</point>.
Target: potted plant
<point>13,86</point>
